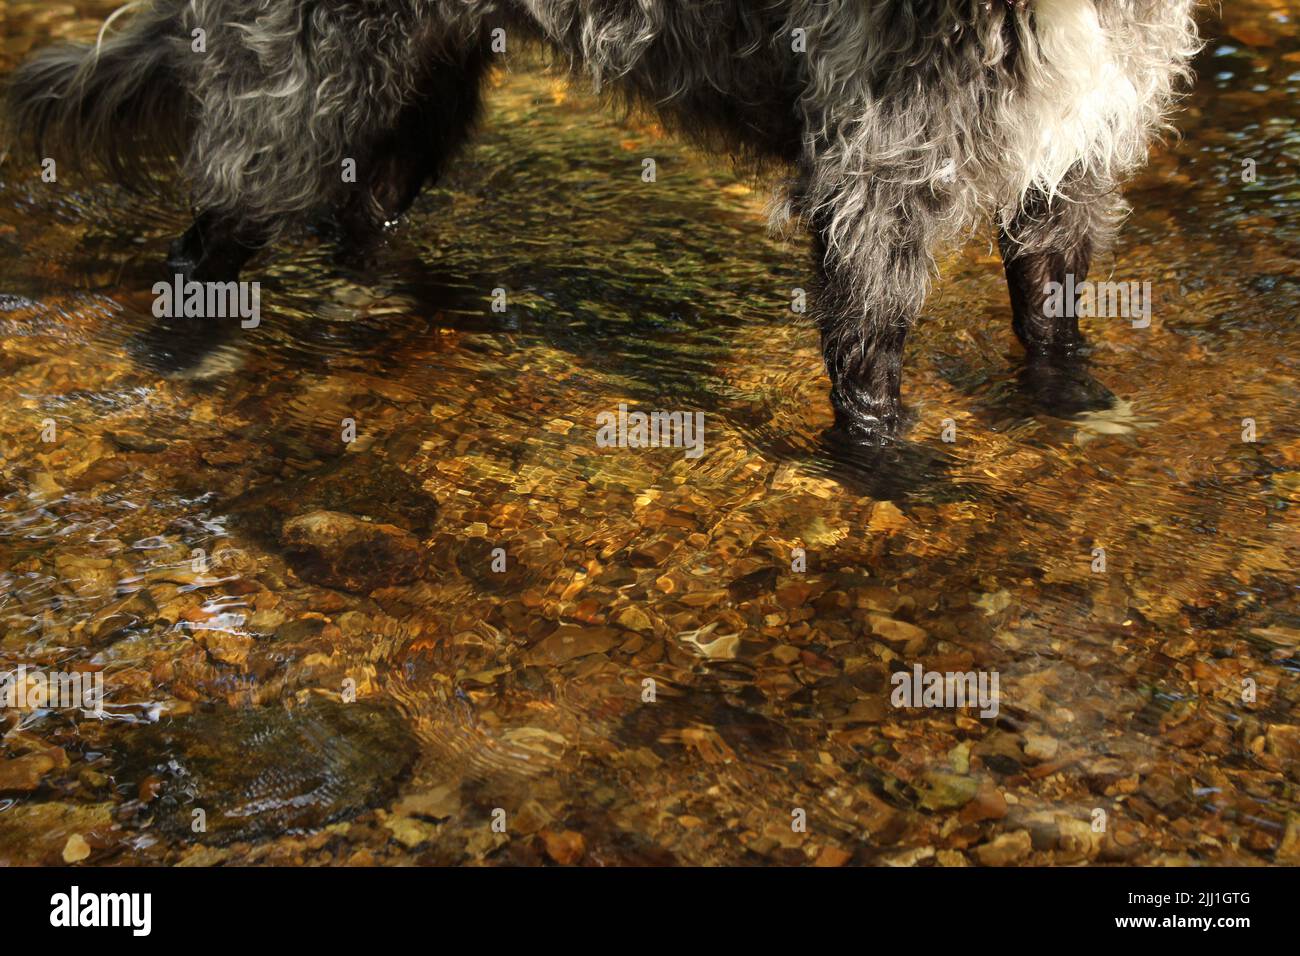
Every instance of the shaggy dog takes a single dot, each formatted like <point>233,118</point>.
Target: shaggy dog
<point>903,123</point>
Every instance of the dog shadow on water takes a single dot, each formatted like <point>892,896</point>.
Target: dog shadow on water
<point>1027,389</point>
<point>295,313</point>
<point>895,470</point>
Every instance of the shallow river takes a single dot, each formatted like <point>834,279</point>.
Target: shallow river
<point>647,670</point>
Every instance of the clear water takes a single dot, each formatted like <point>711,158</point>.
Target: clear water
<point>520,695</point>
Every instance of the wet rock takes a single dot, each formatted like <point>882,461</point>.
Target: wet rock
<point>896,632</point>
<point>24,774</point>
<point>909,857</point>
<point>712,646</point>
<point>134,441</point>
<point>1162,790</point>
<point>959,758</point>
<point>1004,850</point>
<point>263,770</point>
<point>1000,744</point>
<point>122,616</point>
<point>37,833</point>
<point>941,790</point>
<point>831,856</point>
<point>1283,740</point>
<point>635,619</point>
<point>988,804</point>
<point>410,832</point>
<point>994,603</point>
<point>530,818</point>
<point>651,555</point>
<point>265,620</point>
<point>537,742</point>
<point>1077,841</point>
<point>1285,637</point>
<point>76,849</point>
<point>439,804</point>
<point>785,654</point>
<point>665,724</point>
<point>569,642</point>
<point>564,847</point>
<point>887,518</point>
<point>871,710</point>
<point>1044,832</point>
<point>355,485</point>
<point>204,856</point>
<point>86,576</point>
<point>750,586</point>
<point>616,576</point>
<point>1289,851</point>
<point>301,630</point>
<point>342,551</point>
<point>102,470</point>
<point>225,647</point>
<point>1040,746</point>
<point>704,599</point>
<point>794,595</point>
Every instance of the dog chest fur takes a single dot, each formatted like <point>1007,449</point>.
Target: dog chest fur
<point>1081,102</point>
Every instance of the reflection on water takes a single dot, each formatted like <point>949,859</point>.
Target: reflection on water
<point>1129,575</point>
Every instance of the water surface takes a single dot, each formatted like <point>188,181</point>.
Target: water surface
<point>147,541</point>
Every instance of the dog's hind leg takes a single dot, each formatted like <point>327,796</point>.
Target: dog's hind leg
<point>873,257</point>
<point>1047,247</point>
<point>399,162</point>
<point>291,98</point>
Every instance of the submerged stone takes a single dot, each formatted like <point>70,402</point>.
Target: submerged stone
<point>342,551</point>
<point>262,771</point>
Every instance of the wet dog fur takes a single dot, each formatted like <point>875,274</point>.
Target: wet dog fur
<point>901,125</point>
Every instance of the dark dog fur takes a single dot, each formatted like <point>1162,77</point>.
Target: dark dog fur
<point>903,122</point>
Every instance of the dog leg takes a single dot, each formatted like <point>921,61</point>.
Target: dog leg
<point>415,152</point>
<point>871,290</point>
<point>213,249</point>
<point>1049,241</point>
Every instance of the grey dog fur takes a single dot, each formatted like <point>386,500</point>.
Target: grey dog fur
<point>903,124</point>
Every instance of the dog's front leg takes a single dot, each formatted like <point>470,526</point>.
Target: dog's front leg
<point>214,249</point>
<point>874,263</point>
<point>1047,249</point>
<point>399,161</point>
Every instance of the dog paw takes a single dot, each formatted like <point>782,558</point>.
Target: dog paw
<point>1064,388</point>
<point>867,422</point>
<point>179,263</point>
